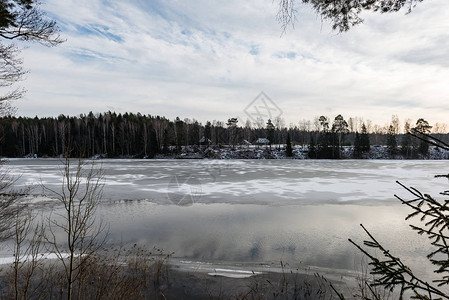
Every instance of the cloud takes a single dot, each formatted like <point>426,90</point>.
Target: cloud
<point>207,60</point>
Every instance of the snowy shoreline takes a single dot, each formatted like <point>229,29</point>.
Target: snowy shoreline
<point>279,152</point>
<point>376,152</point>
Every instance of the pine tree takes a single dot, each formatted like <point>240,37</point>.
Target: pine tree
<point>339,129</point>
<point>324,139</point>
<point>232,129</point>
<point>422,126</point>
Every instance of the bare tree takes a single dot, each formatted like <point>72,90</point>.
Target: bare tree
<point>80,193</point>
<point>28,240</point>
<point>28,23</point>
<point>304,129</point>
<point>21,20</point>
<point>439,128</point>
<point>8,206</point>
<point>395,123</point>
<point>11,71</point>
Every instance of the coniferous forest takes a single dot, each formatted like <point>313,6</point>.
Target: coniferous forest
<point>144,136</point>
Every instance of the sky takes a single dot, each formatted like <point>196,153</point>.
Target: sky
<point>211,60</point>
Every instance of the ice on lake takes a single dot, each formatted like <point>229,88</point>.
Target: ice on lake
<point>273,182</point>
<point>256,211</point>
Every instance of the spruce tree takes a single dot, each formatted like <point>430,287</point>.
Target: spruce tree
<point>406,142</point>
<point>288,149</point>
<point>364,140</point>
<point>179,130</point>
<point>270,132</point>
<point>357,146</point>
<point>207,131</point>
<point>312,148</point>
<point>324,145</point>
<point>392,144</point>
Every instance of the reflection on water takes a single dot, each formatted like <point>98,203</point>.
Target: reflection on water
<point>301,235</point>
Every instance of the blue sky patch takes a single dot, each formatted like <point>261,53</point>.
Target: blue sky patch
<point>99,30</point>
<point>288,55</point>
<point>254,50</point>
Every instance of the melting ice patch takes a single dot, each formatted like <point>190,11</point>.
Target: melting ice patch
<point>10,259</point>
<point>233,273</point>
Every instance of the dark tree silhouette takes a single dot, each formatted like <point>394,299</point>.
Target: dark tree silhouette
<point>288,148</point>
<point>392,144</point>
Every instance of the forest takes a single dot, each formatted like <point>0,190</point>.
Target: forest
<point>132,135</point>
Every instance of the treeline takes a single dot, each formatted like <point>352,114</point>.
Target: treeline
<point>331,137</point>
<point>136,135</point>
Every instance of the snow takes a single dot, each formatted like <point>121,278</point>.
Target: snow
<point>233,273</point>
<point>10,259</point>
<point>299,152</point>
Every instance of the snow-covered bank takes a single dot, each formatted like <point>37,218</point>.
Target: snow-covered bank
<point>279,152</point>
<point>11,259</point>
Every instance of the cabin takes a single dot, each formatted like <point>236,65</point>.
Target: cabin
<point>262,141</point>
<point>205,141</point>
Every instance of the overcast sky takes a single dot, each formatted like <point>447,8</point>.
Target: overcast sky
<point>208,59</point>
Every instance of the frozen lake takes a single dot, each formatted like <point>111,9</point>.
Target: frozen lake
<point>257,211</point>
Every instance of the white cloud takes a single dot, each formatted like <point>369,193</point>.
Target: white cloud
<point>207,60</point>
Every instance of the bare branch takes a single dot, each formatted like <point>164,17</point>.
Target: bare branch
<point>343,14</point>
<point>31,24</point>
<point>80,194</point>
